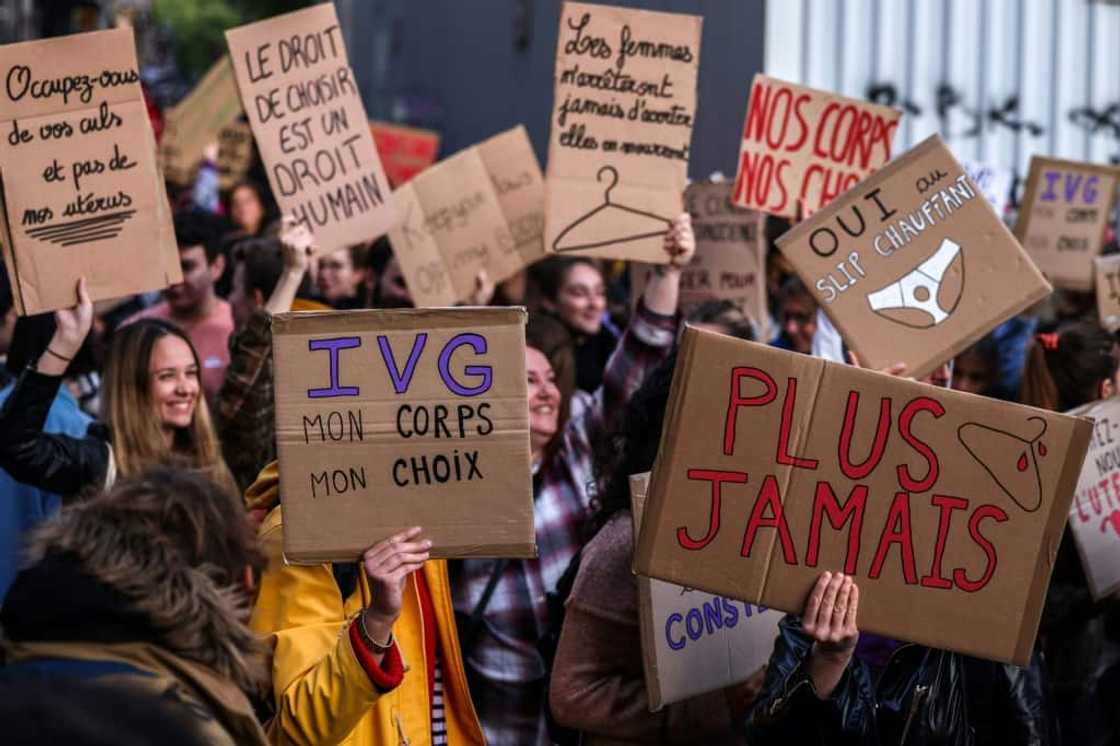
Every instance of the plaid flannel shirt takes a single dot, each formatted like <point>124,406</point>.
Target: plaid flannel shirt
<point>243,411</point>
<point>517,615</point>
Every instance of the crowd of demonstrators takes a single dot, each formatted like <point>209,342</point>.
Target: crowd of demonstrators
<point>127,565</point>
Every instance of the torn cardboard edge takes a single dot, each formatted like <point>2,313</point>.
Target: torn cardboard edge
<point>643,557</point>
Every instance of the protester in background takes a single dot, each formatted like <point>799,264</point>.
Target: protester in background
<point>598,682</point>
<point>723,317</point>
<point>193,304</point>
<point>1065,369</point>
<point>146,585</point>
<point>976,370</point>
<point>797,317</point>
<point>828,684</point>
<point>573,290</point>
<point>514,290</point>
<point>247,208</point>
<point>341,635</point>
<point>8,316</point>
<point>508,673</point>
<point>244,412</point>
<point>341,277</point>
<point>23,506</point>
<point>388,285</point>
<point>153,410</point>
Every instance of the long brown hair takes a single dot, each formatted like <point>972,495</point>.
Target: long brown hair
<point>1065,369</point>
<point>137,439</point>
<point>552,339</point>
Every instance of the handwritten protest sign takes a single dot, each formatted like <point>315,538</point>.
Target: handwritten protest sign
<point>804,145</point>
<point>730,259</point>
<point>1107,281</point>
<point>197,121</point>
<point>625,100</point>
<point>694,642</point>
<point>1064,217</point>
<point>390,419</point>
<point>913,265</point>
<point>459,217</point>
<point>404,151</point>
<point>235,154</point>
<point>1094,517</point>
<point>303,103</point>
<point>946,508</point>
<point>994,182</point>
<point>81,191</point>
<point>516,175</point>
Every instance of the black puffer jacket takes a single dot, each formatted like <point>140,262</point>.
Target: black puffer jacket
<point>56,463</point>
<point>1003,703</point>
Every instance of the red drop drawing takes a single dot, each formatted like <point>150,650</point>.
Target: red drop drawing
<point>1022,464</point>
<point>1041,448</point>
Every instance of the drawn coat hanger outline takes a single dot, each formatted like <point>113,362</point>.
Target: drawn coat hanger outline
<point>608,205</point>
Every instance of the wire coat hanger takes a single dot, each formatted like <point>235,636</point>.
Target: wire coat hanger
<point>599,227</point>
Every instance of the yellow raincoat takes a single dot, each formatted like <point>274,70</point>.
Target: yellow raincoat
<point>322,694</point>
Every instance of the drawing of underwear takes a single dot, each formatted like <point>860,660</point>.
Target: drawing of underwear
<point>928,294</point>
<point>1010,460</point>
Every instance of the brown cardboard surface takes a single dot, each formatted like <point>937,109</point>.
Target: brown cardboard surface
<point>516,175</point>
<point>452,226</point>
<point>404,151</point>
<point>302,100</point>
<point>197,121</point>
<point>1106,271</point>
<point>82,192</point>
<point>964,498</point>
<point>913,265</point>
<point>730,259</point>
<point>802,144</point>
<point>1064,217</point>
<point>624,103</point>
<point>235,154</point>
<point>406,388</point>
<point>694,642</point>
<point>1094,517</point>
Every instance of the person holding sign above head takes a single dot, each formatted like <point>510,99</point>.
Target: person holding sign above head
<point>153,409</point>
<point>341,635</point>
<point>506,605</point>
<point>1073,366</point>
<point>829,684</point>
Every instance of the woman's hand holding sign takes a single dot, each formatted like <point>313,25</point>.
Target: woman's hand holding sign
<point>830,619</point>
<point>387,565</point>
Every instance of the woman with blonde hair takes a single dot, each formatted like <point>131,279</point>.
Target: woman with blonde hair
<point>152,408</point>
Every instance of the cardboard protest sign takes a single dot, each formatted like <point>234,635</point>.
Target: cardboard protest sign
<point>730,259</point>
<point>1094,517</point>
<point>913,265</point>
<point>625,99</point>
<point>804,145</point>
<point>81,191</point>
<point>235,154</point>
<point>947,508</point>
<point>516,175</point>
<point>303,104</point>
<point>197,121</point>
<point>994,182</point>
<point>452,226</point>
<point>694,642</point>
<point>1107,281</point>
<point>1064,217</point>
<point>390,419</point>
<point>404,151</point>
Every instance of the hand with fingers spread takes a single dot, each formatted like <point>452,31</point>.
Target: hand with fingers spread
<point>298,244</point>
<point>388,564</point>
<point>830,620</point>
